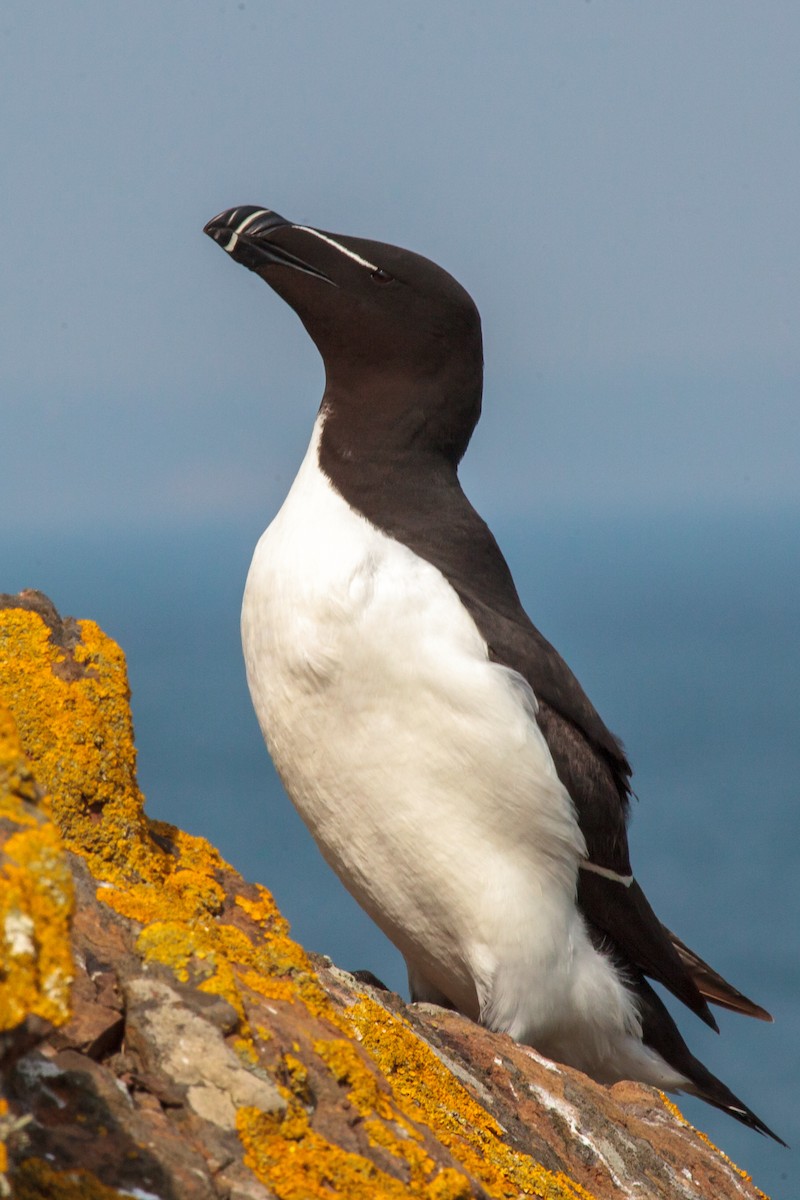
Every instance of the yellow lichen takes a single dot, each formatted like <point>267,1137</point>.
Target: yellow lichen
<point>36,897</point>
<point>75,727</point>
<point>76,730</point>
<point>430,1095</point>
<point>246,1050</point>
<point>294,1160</point>
<point>17,784</point>
<point>264,911</point>
<point>347,1066</point>
<point>186,895</point>
<point>385,1122</point>
<point>448,1185</point>
<point>176,946</point>
<point>35,907</point>
<point>297,1163</point>
<point>86,764</point>
<point>296,1079</point>
<point>226,962</point>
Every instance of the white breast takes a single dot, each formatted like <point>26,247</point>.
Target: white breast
<point>417,764</point>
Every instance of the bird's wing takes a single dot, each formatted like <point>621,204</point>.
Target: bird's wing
<point>713,986</point>
<point>593,768</point>
<point>590,761</point>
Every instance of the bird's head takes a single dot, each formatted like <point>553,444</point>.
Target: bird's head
<point>396,332</point>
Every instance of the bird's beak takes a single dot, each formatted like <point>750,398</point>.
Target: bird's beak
<point>246,234</point>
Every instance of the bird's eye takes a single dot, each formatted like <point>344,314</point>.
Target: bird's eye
<point>381,276</point>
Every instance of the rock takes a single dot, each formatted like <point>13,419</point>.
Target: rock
<point>162,1036</point>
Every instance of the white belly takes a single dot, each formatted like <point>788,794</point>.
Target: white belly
<point>419,768</point>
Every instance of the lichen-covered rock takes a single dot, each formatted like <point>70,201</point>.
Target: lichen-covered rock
<point>163,1036</point>
<point>35,897</point>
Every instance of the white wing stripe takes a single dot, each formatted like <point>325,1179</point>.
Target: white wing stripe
<point>607,873</point>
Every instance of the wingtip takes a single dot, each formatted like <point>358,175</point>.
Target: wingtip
<point>749,1118</point>
<point>662,1035</point>
<point>712,986</point>
<point>708,1087</point>
<point>712,1090</point>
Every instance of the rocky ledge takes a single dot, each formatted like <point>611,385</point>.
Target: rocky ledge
<point>162,1036</point>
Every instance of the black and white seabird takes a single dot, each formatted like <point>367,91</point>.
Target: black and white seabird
<point>448,763</point>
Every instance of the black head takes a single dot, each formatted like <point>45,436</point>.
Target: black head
<point>399,337</point>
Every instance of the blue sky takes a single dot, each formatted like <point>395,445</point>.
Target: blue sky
<point>616,183</point>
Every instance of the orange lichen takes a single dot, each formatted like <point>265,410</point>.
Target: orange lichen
<point>35,907</point>
<point>18,787</point>
<point>35,896</point>
<point>346,1064</point>
<point>74,723</point>
<point>430,1095</point>
<point>85,761</point>
<point>186,895</point>
<point>297,1163</point>
<point>264,911</point>
<point>294,1160</point>
<point>296,1079</point>
<point>76,728</point>
<point>385,1123</point>
<point>3,1146</point>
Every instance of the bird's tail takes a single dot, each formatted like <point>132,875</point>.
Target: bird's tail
<point>661,1034</point>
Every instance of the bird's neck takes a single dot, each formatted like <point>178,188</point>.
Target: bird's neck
<point>397,423</point>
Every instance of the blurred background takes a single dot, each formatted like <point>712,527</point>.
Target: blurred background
<point>617,185</point>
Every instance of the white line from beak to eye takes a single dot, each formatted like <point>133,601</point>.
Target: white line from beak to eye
<point>350,253</point>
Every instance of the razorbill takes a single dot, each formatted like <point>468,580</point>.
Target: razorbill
<point>448,763</point>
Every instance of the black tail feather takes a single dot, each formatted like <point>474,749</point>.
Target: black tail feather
<point>661,1034</point>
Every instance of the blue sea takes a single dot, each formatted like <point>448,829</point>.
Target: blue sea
<point>682,628</point>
